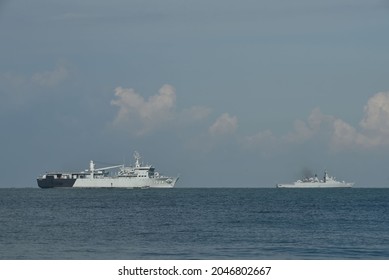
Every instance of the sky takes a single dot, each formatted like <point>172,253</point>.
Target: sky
<point>246,93</point>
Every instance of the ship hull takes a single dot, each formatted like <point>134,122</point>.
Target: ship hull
<point>107,182</point>
<point>47,183</point>
<point>120,182</point>
<point>315,185</point>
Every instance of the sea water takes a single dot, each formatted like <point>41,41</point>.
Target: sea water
<point>194,223</point>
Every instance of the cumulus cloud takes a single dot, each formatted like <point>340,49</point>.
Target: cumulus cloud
<point>133,108</point>
<point>225,124</point>
<point>377,114</point>
<point>306,130</point>
<point>145,115</point>
<point>372,131</point>
<point>374,127</point>
<point>346,136</point>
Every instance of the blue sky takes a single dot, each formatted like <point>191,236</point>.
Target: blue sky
<point>224,93</point>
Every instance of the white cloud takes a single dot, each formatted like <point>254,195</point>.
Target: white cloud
<point>141,116</point>
<point>301,132</point>
<point>147,114</point>
<point>225,124</point>
<point>306,130</point>
<point>374,127</point>
<point>160,106</point>
<point>372,132</point>
<point>346,136</point>
<point>377,114</point>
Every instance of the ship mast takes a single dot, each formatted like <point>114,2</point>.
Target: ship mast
<point>137,158</point>
<point>92,169</point>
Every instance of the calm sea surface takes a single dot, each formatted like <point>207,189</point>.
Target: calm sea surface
<point>222,223</point>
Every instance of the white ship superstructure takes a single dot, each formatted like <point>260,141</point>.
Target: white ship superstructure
<point>137,176</point>
<point>315,182</point>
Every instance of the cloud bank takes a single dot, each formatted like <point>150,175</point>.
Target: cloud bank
<point>143,116</point>
<point>372,131</point>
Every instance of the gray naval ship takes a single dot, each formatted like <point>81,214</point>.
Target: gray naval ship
<point>137,176</point>
<point>315,182</point>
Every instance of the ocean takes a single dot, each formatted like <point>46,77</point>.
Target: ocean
<point>194,223</point>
